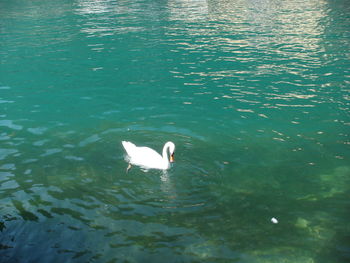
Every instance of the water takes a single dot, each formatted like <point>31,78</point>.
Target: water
<point>255,95</point>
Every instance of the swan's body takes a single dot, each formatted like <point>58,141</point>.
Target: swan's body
<point>148,158</point>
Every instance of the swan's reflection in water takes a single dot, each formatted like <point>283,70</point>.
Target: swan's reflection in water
<point>166,184</point>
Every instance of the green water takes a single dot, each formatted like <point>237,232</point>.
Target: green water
<point>254,93</point>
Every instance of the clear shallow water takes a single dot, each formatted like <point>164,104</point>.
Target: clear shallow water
<point>255,94</point>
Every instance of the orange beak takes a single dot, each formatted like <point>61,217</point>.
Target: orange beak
<point>172,158</point>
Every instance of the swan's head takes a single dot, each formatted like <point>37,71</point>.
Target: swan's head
<point>171,147</point>
<point>172,159</point>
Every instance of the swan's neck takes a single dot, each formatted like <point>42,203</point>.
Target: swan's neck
<point>165,153</point>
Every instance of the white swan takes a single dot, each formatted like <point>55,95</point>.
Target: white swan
<point>149,158</point>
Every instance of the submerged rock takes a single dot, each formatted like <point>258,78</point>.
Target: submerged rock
<point>331,184</point>
<point>302,223</point>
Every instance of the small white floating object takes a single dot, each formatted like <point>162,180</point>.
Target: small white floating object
<point>274,220</point>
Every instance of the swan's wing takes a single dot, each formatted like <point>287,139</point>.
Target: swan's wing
<point>129,147</point>
<point>143,152</point>
<point>143,156</point>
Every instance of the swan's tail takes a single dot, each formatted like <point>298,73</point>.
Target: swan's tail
<point>129,147</point>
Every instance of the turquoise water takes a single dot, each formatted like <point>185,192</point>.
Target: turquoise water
<point>255,95</point>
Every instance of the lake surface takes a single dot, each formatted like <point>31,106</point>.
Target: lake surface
<point>254,93</point>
